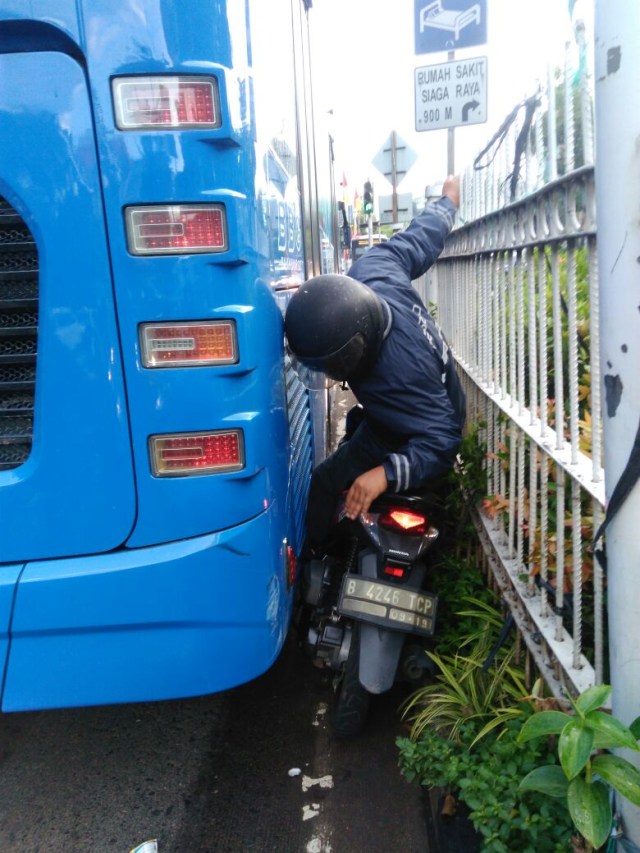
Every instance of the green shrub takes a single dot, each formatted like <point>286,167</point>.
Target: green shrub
<point>486,778</point>
<point>465,688</point>
<point>587,772</point>
<point>465,723</point>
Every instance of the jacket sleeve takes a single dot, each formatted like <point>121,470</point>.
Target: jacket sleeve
<point>409,254</point>
<point>429,453</point>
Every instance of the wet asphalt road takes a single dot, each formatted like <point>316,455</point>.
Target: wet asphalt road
<point>209,775</point>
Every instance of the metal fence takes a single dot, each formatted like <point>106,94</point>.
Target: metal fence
<point>516,294</point>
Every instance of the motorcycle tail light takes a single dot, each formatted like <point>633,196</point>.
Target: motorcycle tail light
<point>394,571</point>
<point>404,521</point>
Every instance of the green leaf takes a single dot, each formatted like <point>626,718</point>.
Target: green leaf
<point>634,728</point>
<point>547,780</point>
<point>590,810</point>
<point>544,723</point>
<point>620,774</point>
<point>593,698</point>
<point>615,732</point>
<point>574,747</point>
<point>502,716</point>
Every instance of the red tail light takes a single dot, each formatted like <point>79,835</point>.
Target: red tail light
<point>196,453</point>
<point>394,571</point>
<point>166,102</point>
<point>176,229</point>
<point>188,344</point>
<point>292,566</point>
<point>404,521</point>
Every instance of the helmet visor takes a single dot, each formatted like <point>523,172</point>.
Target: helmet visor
<point>314,380</point>
<point>342,363</point>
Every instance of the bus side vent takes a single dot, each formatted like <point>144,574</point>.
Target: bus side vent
<point>301,447</point>
<point>18,336</point>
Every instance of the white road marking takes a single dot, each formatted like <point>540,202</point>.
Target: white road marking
<point>318,845</point>
<point>322,782</point>
<point>320,841</point>
<point>310,811</point>
<point>320,713</point>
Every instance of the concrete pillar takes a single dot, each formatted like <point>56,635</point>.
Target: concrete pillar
<point>617,77</point>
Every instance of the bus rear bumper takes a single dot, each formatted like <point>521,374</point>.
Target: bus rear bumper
<point>182,619</point>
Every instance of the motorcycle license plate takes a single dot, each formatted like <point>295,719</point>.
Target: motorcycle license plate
<point>387,605</point>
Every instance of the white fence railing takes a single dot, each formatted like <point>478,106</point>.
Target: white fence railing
<point>517,297</point>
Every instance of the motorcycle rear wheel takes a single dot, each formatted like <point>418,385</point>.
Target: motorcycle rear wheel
<point>351,705</point>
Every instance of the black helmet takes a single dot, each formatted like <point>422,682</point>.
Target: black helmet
<point>335,324</point>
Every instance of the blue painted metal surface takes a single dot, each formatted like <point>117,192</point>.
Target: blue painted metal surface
<point>139,587</point>
<point>8,578</point>
<point>174,620</point>
<point>75,494</point>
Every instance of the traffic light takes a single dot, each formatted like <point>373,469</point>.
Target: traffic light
<point>368,198</point>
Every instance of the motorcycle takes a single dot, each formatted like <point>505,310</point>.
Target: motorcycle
<point>368,614</point>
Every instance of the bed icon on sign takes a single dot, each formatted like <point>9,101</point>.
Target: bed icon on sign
<point>434,15</point>
<point>460,24</point>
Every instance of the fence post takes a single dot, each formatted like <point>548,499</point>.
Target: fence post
<point>617,75</point>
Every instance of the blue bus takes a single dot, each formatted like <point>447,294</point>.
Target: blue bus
<point>163,191</point>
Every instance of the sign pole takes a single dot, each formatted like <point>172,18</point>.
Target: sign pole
<point>451,144</point>
<point>394,176</point>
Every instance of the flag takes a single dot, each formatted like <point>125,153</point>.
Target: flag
<point>345,196</point>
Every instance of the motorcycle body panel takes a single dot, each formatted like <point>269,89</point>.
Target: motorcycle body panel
<point>393,560</point>
<point>379,656</point>
<point>380,648</point>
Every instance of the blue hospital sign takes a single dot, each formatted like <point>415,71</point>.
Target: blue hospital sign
<point>449,24</point>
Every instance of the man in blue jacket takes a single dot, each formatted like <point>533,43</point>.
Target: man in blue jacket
<point>372,330</point>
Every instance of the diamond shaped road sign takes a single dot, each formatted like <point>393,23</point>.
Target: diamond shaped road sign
<point>405,158</point>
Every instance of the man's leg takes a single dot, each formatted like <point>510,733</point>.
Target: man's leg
<point>362,452</point>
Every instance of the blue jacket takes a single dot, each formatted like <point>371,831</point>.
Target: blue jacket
<point>412,396</point>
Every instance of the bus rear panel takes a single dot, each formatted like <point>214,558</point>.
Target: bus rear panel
<point>155,448</point>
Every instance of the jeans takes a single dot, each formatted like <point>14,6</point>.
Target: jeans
<point>363,451</point>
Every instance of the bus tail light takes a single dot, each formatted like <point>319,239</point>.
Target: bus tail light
<point>196,453</point>
<point>173,102</point>
<point>176,229</point>
<point>188,344</point>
